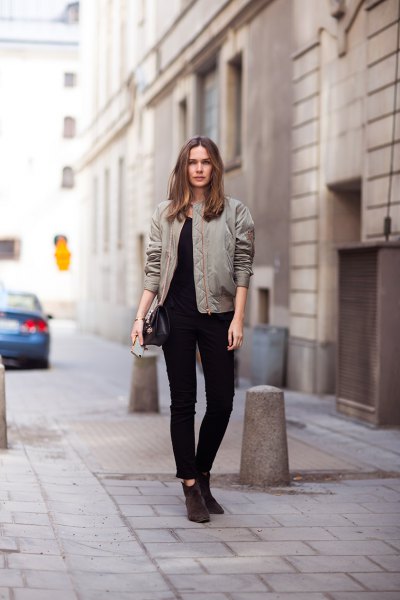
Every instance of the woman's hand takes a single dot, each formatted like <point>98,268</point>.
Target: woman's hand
<point>137,331</point>
<point>144,305</point>
<point>235,334</point>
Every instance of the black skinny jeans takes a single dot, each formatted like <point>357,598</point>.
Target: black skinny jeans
<point>211,335</point>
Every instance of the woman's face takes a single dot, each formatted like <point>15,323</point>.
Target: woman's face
<point>199,167</point>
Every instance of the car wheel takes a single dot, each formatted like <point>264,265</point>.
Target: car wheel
<point>42,364</point>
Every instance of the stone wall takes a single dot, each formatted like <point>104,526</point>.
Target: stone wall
<point>343,85</point>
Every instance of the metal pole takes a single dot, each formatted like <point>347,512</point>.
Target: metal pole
<point>3,421</point>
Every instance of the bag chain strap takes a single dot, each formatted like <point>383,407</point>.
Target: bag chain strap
<point>148,317</point>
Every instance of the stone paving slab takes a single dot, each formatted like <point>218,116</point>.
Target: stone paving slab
<point>315,582</point>
<point>115,583</point>
<point>229,534</point>
<point>293,534</point>
<point>110,564</point>
<point>101,548</point>
<point>261,548</point>
<point>365,533</point>
<point>187,550</point>
<point>333,564</point>
<point>43,594</point>
<point>99,595</point>
<point>53,580</point>
<point>364,595</point>
<point>280,596</point>
<point>218,583</point>
<point>235,564</point>
<point>379,581</point>
<point>388,563</point>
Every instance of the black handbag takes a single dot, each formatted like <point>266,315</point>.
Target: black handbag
<point>156,323</point>
<point>156,327</point>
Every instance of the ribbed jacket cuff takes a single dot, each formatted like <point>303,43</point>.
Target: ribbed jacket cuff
<point>242,279</point>
<point>151,286</point>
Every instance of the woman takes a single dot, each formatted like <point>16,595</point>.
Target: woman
<point>199,263</point>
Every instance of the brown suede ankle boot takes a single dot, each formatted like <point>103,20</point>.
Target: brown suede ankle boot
<point>195,505</point>
<point>213,507</point>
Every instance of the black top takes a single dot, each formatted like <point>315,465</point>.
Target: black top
<point>182,292</point>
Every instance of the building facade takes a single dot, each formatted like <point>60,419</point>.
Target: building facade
<point>39,106</point>
<point>344,74</point>
<point>112,168</point>
<point>298,96</point>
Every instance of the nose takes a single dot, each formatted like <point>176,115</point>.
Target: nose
<point>199,167</point>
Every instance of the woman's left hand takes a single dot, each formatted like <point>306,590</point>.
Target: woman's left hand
<point>235,334</point>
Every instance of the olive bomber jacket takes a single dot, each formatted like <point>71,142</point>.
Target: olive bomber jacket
<point>223,252</point>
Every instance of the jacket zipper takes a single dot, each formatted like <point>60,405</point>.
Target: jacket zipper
<point>163,295</point>
<point>204,263</point>
<point>167,267</point>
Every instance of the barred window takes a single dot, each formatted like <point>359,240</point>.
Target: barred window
<point>183,122</point>
<point>234,109</point>
<point>68,179</point>
<point>209,105</point>
<point>69,127</point>
<point>95,218</point>
<point>69,79</point>
<point>121,204</point>
<point>106,211</point>
<point>9,249</point>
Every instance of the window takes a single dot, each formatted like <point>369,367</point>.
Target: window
<point>183,134</point>
<point>106,211</point>
<point>141,254</point>
<point>263,305</point>
<point>69,127</point>
<point>141,11</point>
<point>121,207</point>
<point>209,105</point>
<point>69,79</point>
<point>9,249</point>
<point>68,179</point>
<point>234,112</point>
<point>95,210</point>
<point>72,13</point>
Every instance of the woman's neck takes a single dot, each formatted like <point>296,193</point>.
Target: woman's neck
<point>198,196</point>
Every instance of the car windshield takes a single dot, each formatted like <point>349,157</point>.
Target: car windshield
<point>19,301</point>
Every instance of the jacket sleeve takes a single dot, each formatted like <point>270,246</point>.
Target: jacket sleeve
<point>153,252</point>
<point>244,248</point>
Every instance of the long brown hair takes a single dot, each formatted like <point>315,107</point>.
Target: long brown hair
<point>179,190</point>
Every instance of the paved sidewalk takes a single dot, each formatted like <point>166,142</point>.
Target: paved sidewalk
<point>87,512</point>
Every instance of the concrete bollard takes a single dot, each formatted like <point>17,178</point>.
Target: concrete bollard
<point>264,459</point>
<point>3,421</point>
<point>144,384</point>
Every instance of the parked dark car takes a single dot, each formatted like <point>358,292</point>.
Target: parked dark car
<point>24,329</point>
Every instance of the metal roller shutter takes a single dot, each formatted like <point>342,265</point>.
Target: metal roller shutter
<point>357,336</point>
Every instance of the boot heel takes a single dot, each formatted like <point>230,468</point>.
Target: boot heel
<point>214,508</point>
